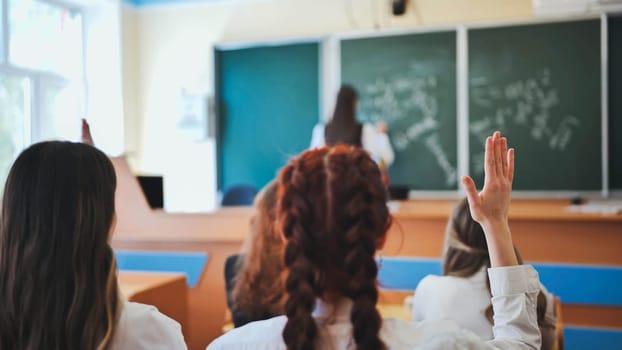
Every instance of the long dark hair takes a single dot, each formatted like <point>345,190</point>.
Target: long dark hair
<point>343,127</point>
<point>466,253</point>
<point>332,212</point>
<point>58,288</point>
<point>258,291</point>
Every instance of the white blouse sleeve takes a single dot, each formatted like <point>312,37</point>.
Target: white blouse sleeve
<point>317,137</point>
<point>377,144</point>
<point>514,293</point>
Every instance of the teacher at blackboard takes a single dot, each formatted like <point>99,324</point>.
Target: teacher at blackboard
<point>344,129</point>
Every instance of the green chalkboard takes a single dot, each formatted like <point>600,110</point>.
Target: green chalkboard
<point>409,81</point>
<point>615,102</point>
<point>268,103</point>
<point>541,86</point>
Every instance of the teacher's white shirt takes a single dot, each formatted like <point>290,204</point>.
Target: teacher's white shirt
<point>514,291</point>
<point>375,142</point>
<point>143,327</point>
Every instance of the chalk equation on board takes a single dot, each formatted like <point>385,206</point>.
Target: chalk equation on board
<point>527,103</point>
<point>409,96</point>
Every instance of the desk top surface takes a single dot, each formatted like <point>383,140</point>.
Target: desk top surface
<point>132,283</point>
<point>520,209</point>
<point>232,224</point>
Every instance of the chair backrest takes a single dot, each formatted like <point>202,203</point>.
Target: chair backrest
<point>239,195</point>
<point>230,274</point>
<point>559,326</point>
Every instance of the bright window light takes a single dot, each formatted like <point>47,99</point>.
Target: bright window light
<point>45,37</point>
<point>59,112</point>
<point>14,110</point>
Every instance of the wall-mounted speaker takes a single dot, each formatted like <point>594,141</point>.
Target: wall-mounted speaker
<point>399,7</point>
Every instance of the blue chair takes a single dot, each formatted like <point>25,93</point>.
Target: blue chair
<point>239,195</point>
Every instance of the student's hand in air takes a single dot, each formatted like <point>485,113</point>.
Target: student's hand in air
<point>86,133</point>
<point>490,207</point>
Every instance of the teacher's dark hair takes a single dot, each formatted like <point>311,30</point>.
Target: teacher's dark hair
<point>343,127</point>
<point>58,288</point>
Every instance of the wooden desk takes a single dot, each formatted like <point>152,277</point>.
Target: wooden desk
<point>166,291</point>
<point>520,210</point>
<point>394,311</point>
<point>542,230</point>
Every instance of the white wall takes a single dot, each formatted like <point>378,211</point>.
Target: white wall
<point>170,47</point>
<point>103,73</point>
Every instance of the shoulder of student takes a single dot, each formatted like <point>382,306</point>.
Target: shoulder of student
<point>144,327</point>
<point>427,335</point>
<point>317,136</point>
<point>432,283</point>
<point>369,128</point>
<point>259,335</point>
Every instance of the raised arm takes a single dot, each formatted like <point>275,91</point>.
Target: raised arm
<point>490,207</point>
<point>514,288</point>
<point>86,133</point>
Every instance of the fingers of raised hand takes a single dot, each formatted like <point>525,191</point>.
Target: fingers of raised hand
<point>86,133</point>
<point>489,159</point>
<point>472,194</point>
<point>503,155</point>
<point>470,189</point>
<point>510,173</point>
<point>499,169</point>
<point>498,153</point>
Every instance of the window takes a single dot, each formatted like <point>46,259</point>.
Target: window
<point>14,108</point>
<point>46,38</point>
<point>41,75</point>
<point>59,111</point>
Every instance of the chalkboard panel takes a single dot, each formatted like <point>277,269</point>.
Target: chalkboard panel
<point>615,102</point>
<point>541,86</point>
<point>268,104</point>
<point>409,81</point>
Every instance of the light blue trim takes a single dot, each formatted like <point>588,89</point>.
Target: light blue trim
<point>405,273</point>
<point>581,338</point>
<point>189,264</point>
<point>583,284</point>
<point>574,284</point>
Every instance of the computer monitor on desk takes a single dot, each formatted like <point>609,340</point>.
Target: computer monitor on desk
<point>153,190</point>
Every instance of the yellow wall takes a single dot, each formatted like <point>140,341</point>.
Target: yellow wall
<point>167,48</point>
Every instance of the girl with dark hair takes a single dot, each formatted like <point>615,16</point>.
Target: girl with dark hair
<point>344,129</point>
<point>59,288</point>
<point>333,217</point>
<point>254,287</point>
<point>465,260</point>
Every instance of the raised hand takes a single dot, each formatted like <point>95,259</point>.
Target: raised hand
<point>86,133</point>
<point>490,207</point>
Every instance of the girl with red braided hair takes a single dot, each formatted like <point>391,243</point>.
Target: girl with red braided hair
<point>333,217</point>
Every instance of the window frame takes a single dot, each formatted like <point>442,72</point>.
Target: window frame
<point>37,78</point>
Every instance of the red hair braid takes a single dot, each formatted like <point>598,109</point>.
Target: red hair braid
<point>333,213</point>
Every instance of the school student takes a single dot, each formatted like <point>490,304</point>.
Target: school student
<point>333,216</point>
<point>253,278</point>
<point>462,294</point>
<point>59,288</point>
<point>343,129</point>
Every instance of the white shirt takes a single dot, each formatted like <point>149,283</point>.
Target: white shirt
<point>143,327</point>
<point>375,142</point>
<point>514,291</point>
<point>443,298</point>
